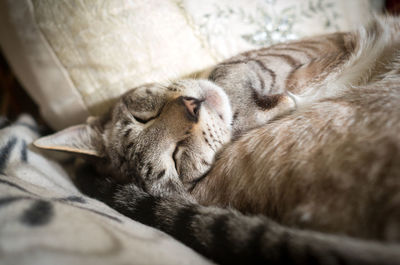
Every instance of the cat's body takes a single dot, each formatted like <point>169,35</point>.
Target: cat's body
<point>333,164</point>
<point>316,144</point>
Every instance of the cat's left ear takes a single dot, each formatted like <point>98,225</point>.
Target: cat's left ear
<point>80,139</point>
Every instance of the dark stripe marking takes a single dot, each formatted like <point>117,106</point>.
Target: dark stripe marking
<point>287,58</point>
<point>236,62</point>
<point>308,55</point>
<point>221,245</point>
<point>261,80</point>
<point>182,228</point>
<point>290,76</point>
<point>309,47</point>
<point>161,174</point>
<point>40,213</point>
<point>24,153</point>
<point>127,133</point>
<point>125,122</point>
<point>5,152</point>
<point>149,172</point>
<point>141,210</point>
<point>129,146</point>
<point>205,163</point>
<point>266,102</point>
<point>266,69</point>
<point>235,115</point>
<point>73,198</point>
<point>208,143</point>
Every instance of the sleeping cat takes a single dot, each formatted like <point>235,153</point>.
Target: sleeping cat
<point>306,133</point>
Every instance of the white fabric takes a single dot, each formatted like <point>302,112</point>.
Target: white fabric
<point>37,67</point>
<point>44,219</point>
<point>76,57</point>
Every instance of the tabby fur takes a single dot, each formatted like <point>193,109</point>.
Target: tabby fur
<point>305,132</point>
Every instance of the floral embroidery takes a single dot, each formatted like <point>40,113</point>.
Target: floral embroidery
<point>227,27</point>
<point>269,24</point>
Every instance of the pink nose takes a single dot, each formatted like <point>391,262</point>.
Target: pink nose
<point>192,106</point>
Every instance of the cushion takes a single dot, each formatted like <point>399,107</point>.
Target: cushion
<point>76,57</point>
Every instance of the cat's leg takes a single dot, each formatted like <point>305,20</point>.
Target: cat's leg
<point>228,237</point>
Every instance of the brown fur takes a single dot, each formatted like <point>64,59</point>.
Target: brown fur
<point>315,126</point>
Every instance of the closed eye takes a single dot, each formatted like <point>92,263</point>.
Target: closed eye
<point>141,120</point>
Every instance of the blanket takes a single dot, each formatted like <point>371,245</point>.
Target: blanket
<point>44,219</point>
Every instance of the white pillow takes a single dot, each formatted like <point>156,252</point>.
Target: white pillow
<point>75,57</point>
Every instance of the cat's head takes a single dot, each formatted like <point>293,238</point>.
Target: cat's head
<point>162,138</point>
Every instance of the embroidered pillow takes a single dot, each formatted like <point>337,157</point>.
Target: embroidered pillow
<point>76,57</point>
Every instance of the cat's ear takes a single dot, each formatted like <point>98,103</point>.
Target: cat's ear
<point>76,139</point>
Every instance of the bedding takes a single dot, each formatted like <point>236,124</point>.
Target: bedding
<point>44,219</point>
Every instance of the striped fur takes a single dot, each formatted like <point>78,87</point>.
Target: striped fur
<point>329,164</point>
<point>305,133</point>
<point>229,237</point>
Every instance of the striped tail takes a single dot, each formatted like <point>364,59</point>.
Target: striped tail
<point>229,237</point>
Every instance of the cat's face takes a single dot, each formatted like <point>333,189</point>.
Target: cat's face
<point>161,138</point>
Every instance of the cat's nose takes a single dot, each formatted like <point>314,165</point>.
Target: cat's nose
<point>192,106</point>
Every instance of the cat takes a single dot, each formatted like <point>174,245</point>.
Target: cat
<point>305,132</point>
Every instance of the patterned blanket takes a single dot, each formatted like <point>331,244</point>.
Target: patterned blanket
<point>44,219</point>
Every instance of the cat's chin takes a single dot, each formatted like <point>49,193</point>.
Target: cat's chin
<point>216,98</point>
